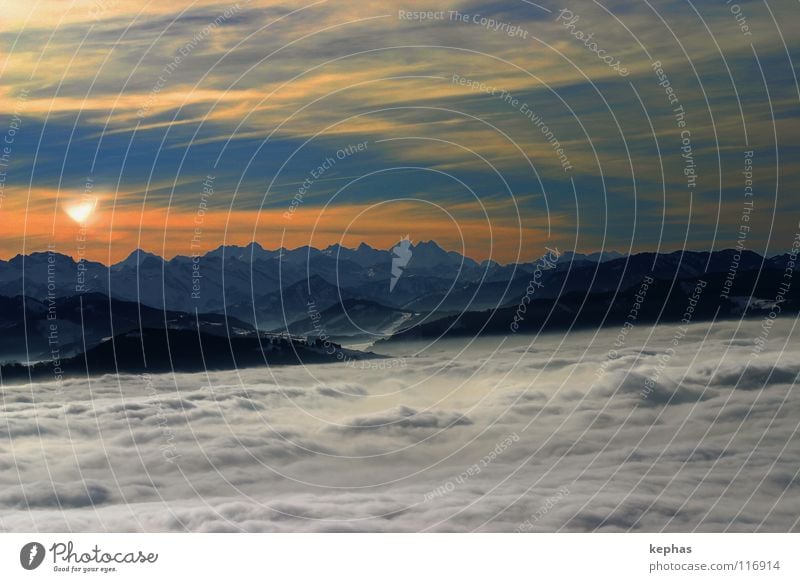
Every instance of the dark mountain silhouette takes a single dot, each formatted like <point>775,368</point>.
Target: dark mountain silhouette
<point>32,330</point>
<point>241,276</point>
<point>183,350</point>
<point>752,294</point>
<point>238,288</point>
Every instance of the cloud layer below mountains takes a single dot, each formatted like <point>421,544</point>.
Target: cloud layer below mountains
<point>499,435</point>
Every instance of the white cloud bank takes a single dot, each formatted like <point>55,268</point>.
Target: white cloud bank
<point>494,438</point>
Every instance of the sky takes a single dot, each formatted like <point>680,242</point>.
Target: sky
<point>495,128</point>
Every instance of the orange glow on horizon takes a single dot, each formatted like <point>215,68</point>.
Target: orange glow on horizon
<point>111,235</point>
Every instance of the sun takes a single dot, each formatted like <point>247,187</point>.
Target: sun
<point>81,212</point>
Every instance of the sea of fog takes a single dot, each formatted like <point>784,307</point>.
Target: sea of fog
<point>650,429</point>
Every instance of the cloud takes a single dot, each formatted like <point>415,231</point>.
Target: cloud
<point>442,444</point>
<point>42,494</point>
<point>649,388</point>
<point>341,391</point>
<point>750,375</point>
<point>113,100</point>
<point>405,418</point>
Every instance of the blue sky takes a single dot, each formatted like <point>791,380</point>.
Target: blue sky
<point>148,99</point>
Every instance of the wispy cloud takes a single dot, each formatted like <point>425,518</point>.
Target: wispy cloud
<point>236,89</point>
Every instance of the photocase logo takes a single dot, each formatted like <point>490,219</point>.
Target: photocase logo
<point>31,555</point>
<point>401,256</point>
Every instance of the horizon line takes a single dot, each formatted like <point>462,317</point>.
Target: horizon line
<point>363,243</point>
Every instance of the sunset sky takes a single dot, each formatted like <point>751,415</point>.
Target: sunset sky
<point>330,122</point>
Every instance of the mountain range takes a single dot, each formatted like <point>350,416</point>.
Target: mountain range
<point>270,288</point>
<point>344,295</point>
